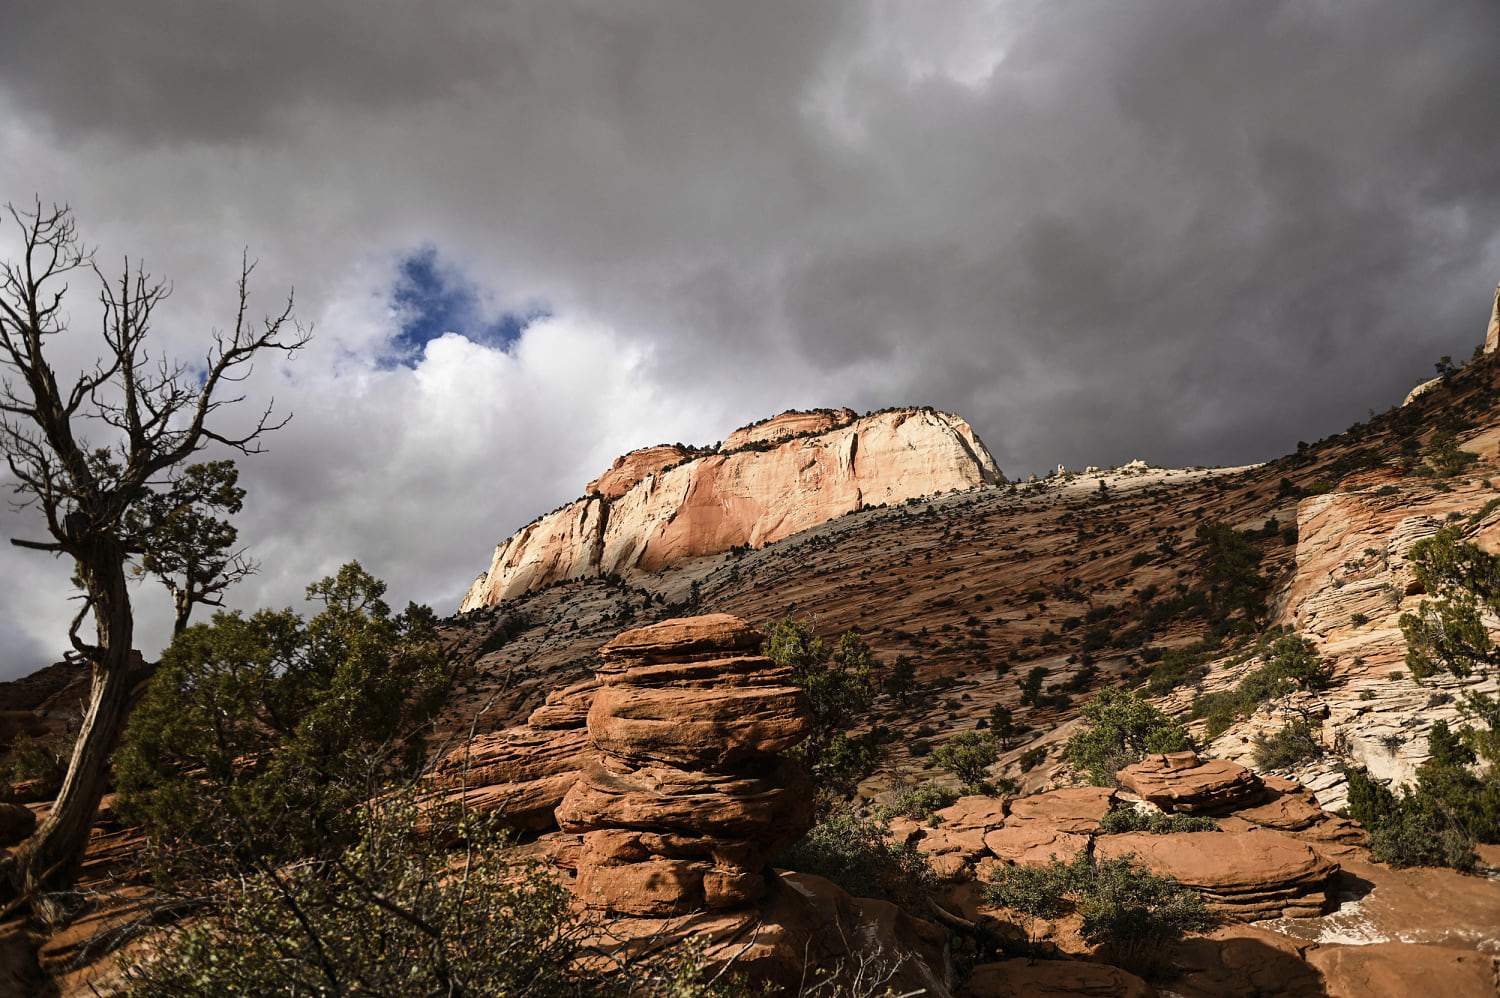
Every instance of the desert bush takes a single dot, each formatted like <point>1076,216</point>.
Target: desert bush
<point>1136,916</point>
<point>261,735</point>
<point>1291,663</point>
<point>395,915</point>
<point>840,683</point>
<point>967,755</point>
<point>918,803</point>
<point>856,854</point>
<point>1031,758</point>
<point>1293,744</point>
<point>43,760</point>
<point>1128,819</point>
<point>1119,729</point>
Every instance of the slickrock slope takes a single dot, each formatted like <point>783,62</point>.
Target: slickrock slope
<point>643,519</point>
<point>688,798</point>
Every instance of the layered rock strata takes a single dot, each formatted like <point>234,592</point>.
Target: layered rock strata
<point>688,797</point>
<point>650,512</point>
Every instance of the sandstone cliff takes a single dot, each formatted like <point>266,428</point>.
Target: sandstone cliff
<point>646,514</point>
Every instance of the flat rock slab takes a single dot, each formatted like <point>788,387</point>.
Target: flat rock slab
<point>983,813</point>
<point>1399,970</point>
<point>1071,809</point>
<point>1055,979</point>
<point>1248,875</point>
<point>683,637</point>
<point>1034,844</point>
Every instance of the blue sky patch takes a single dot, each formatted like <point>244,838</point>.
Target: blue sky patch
<point>433,297</point>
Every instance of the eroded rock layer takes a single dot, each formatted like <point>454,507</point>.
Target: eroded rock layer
<point>687,798</point>
<point>654,509</point>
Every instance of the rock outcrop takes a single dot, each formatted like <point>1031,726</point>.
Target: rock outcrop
<point>1181,782</point>
<point>688,797</point>
<point>788,425</point>
<point>630,469</point>
<point>641,518</point>
<point>1247,876</point>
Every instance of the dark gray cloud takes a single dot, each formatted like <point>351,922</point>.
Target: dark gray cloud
<point>1193,233</point>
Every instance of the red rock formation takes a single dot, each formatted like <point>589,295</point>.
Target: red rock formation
<point>1247,876</point>
<point>709,505</point>
<point>788,424</point>
<point>687,799</point>
<point>1180,781</point>
<point>630,469</point>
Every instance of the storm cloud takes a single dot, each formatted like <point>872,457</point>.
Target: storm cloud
<point>1100,230</point>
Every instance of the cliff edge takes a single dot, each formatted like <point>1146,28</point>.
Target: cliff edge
<point>659,506</point>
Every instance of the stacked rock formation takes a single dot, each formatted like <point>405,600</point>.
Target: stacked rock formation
<point>1181,782</point>
<point>688,797</point>
<point>519,775</point>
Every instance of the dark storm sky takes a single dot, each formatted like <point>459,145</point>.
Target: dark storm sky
<point>531,236</point>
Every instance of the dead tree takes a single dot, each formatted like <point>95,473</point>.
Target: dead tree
<point>86,451</point>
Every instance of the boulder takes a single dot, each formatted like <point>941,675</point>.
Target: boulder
<point>679,639</point>
<point>518,775</point>
<point>565,708</point>
<point>714,728</point>
<point>774,805</point>
<point>1181,782</point>
<point>1034,844</point>
<point>1070,809</point>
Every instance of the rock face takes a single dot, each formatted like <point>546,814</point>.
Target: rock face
<point>631,468</point>
<point>687,798</point>
<point>644,519</point>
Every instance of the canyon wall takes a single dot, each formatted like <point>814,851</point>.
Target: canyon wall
<point>735,497</point>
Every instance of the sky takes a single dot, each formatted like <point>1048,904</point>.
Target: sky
<point>529,236</point>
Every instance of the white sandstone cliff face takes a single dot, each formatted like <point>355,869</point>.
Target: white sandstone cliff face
<point>752,497</point>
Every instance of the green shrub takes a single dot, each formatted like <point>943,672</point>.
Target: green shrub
<point>1031,758</point>
<point>1291,662</point>
<point>840,683</point>
<point>1229,565</point>
<point>261,735</point>
<point>43,760</point>
<point>1119,729</point>
<point>967,755</point>
<point>856,854</point>
<point>1136,916</point>
<point>918,803</point>
<point>1293,744</point>
<point>1128,819</point>
<point>396,915</point>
